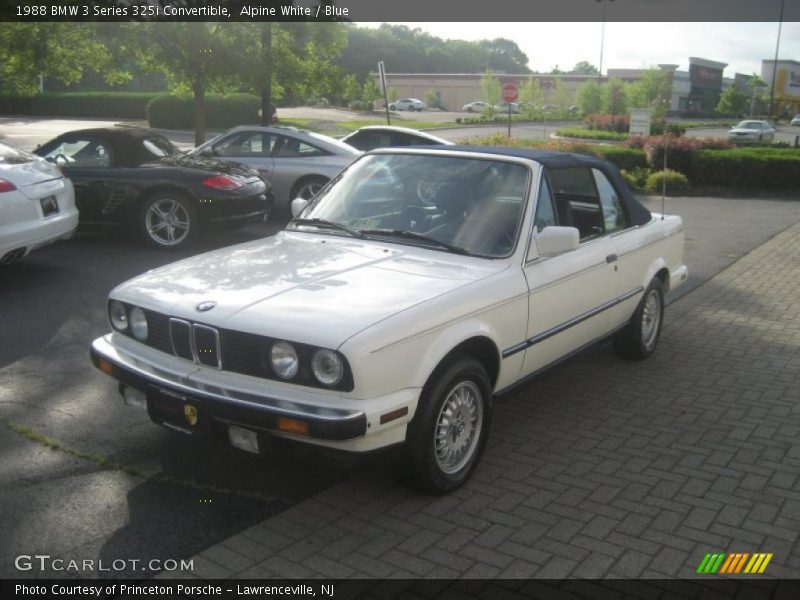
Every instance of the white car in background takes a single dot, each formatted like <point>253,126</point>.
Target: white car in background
<point>751,131</point>
<point>37,204</point>
<point>387,136</point>
<point>409,104</point>
<point>476,106</point>
<point>796,121</point>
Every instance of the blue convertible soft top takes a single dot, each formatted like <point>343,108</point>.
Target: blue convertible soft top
<point>553,159</point>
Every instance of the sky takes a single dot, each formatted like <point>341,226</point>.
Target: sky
<point>631,45</point>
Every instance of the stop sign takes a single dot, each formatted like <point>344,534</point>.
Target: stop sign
<point>510,92</point>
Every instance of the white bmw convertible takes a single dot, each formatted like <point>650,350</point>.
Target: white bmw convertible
<point>412,290</point>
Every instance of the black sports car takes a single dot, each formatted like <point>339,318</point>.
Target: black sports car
<point>137,177</point>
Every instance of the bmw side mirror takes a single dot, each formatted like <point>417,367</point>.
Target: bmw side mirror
<point>554,240</point>
<point>298,206</point>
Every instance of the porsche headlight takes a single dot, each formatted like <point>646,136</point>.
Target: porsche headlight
<point>138,324</point>
<point>284,361</point>
<point>118,315</point>
<point>327,367</point>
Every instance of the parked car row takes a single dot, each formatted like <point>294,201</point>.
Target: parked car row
<point>138,179</point>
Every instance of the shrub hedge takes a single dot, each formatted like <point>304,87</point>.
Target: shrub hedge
<point>119,105</point>
<point>765,168</point>
<point>672,181</point>
<point>591,134</point>
<point>222,112</point>
<point>704,162</point>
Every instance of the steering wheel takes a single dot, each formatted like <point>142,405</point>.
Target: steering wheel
<point>427,191</point>
<point>61,160</point>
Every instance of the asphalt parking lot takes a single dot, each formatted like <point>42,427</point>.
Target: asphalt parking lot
<point>85,477</point>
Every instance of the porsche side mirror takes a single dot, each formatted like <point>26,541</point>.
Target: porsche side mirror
<point>298,205</point>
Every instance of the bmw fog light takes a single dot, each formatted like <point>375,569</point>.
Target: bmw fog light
<point>327,367</point>
<point>138,323</point>
<point>283,359</point>
<point>118,315</point>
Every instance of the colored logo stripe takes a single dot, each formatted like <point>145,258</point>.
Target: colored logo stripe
<point>734,563</point>
<point>758,563</point>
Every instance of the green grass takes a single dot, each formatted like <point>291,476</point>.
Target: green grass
<point>591,134</point>
<point>340,128</point>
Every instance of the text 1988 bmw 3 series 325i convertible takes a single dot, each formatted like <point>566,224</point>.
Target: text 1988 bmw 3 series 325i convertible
<point>415,287</point>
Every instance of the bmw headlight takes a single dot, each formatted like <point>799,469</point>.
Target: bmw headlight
<point>138,323</point>
<point>327,367</point>
<point>284,361</point>
<point>118,315</point>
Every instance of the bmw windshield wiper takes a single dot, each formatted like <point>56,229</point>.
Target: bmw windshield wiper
<point>329,224</point>
<point>413,235</point>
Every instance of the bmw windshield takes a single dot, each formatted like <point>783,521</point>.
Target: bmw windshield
<point>455,204</point>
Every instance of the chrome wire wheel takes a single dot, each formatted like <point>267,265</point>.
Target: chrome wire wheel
<point>167,222</point>
<point>651,319</point>
<point>458,427</point>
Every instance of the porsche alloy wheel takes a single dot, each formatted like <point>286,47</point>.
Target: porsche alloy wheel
<point>168,221</point>
<point>308,188</point>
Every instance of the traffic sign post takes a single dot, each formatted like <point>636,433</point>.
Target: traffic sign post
<point>382,75</point>
<point>510,93</point>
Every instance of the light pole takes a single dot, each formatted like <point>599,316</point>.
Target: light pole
<point>602,35</point>
<point>775,63</point>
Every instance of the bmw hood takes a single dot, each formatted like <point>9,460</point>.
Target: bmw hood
<point>308,288</point>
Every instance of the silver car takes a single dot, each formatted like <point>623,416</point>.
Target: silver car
<point>751,131</point>
<point>296,162</point>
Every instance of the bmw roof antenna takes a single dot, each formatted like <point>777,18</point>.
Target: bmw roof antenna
<point>664,176</point>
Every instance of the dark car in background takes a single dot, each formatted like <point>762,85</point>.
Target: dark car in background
<point>137,178</point>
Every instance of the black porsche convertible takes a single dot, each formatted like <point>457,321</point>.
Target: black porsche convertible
<point>137,177</point>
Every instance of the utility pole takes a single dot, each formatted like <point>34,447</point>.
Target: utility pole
<point>266,88</point>
<point>775,63</point>
<point>602,36</point>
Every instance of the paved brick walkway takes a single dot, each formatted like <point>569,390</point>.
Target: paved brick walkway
<point>600,468</point>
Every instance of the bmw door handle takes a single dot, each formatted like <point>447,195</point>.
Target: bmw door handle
<point>611,258</point>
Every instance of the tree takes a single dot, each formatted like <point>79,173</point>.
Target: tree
<point>370,92</point>
<point>194,56</point>
<point>561,97</point>
<point>651,91</point>
<point>416,51</point>
<point>614,99</point>
<point>491,89</point>
<point>733,102</point>
<point>63,51</point>
<point>758,94</point>
<point>351,89</point>
<point>531,99</point>
<point>590,98</point>
<point>584,68</point>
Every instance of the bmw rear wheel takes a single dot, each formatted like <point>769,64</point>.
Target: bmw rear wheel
<point>639,338</point>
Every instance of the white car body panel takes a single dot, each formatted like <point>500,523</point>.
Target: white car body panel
<point>23,226</point>
<point>395,310</point>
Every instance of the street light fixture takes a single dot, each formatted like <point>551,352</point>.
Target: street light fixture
<point>775,63</point>
<point>602,35</point>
